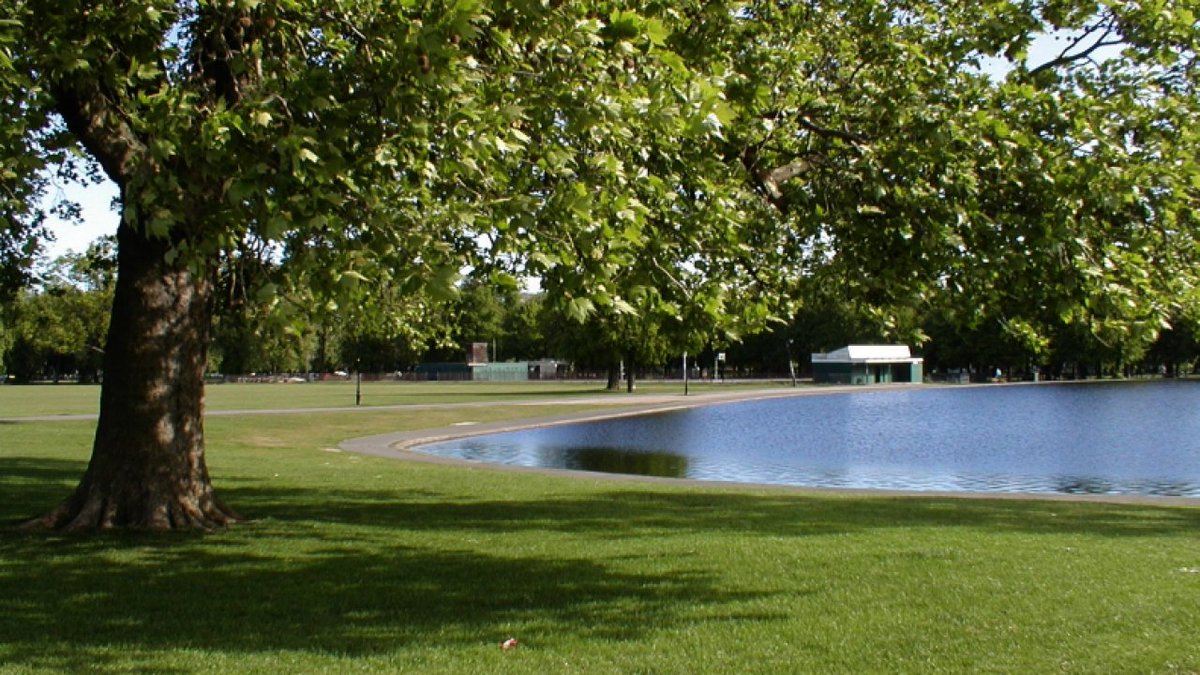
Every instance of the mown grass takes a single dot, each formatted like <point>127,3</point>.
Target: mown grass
<point>357,564</point>
<point>82,399</point>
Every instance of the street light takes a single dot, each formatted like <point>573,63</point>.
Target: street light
<point>791,362</point>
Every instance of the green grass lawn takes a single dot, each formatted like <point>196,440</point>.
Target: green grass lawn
<point>83,399</point>
<point>358,564</point>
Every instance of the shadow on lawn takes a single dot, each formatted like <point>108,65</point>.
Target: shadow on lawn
<point>372,587</point>
<point>31,486</point>
<point>63,597</point>
<point>642,511</point>
<point>71,602</point>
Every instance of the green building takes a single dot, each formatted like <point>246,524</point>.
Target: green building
<point>517,371</point>
<point>867,364</point>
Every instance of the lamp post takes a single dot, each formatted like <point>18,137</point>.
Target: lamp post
<point>791,362</point>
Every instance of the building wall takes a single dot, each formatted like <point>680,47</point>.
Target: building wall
<point>501,372</point>
<point>916,373</point>
<point>453,372</point>
<point>861,373</point>
<point>838,373</point>
<point>546,369</point>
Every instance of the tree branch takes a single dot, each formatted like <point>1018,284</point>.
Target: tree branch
<point>769,181</point>
<point>99,126</point>
<point>221,36</point>
<point>1105,28</point>
<point>844,135</point>
<point>773,178</point>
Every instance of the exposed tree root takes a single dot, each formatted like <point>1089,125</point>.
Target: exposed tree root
<point>103,513</point>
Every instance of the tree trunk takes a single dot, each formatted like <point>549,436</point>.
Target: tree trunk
<point>147,468</point>
<point>320,362</point>
<point>614,375</point>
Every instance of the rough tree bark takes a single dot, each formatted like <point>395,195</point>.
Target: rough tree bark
<point>148,468</point>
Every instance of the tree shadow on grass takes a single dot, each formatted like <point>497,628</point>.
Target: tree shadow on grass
<point>347,572</point>
<point>31,486</point>
<point>71,602</point>
<point>208,594</point>
<point>639,511</point>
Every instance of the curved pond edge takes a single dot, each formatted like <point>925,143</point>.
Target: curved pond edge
<point>403,445</point>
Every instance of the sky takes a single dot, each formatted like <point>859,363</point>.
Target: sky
<point>99,219</point>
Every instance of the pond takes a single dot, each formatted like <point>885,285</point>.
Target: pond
<point>1140,438</point>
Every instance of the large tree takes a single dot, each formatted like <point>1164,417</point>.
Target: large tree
<point>919,153</point>
<point>360,142</point>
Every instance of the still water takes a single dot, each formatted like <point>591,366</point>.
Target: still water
<point>1105,438</point>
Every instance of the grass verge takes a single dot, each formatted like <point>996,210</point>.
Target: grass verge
<point>84,399</point>
<point>359,564</point>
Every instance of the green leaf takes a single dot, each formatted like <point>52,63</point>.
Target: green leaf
<point>623,308</point>
<point>266,293</point>
<point>579,309</point>
<point>442,284</point>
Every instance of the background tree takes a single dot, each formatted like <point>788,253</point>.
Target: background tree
<point>59,324</point>
<point>477,313</point>
<point>1176,349</point>
<point>1057,194</point>
<point>253,340</point>
<point>616,346</point>
<point>526,329</point>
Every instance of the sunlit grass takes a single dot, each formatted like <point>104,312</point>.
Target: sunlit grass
<point>357,564</point>
<point>76,399</point>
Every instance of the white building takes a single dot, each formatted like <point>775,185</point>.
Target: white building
<point>868,364</point>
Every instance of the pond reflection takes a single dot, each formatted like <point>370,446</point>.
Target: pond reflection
<point>1096,438</point>
<point>611,460</point>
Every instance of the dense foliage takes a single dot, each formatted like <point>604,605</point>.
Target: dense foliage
<point>57,329</point>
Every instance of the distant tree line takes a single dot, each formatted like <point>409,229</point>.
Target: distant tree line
<point>54,330</point>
